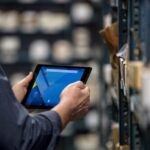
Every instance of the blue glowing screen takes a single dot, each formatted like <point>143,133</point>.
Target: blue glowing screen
<point>49,84</point>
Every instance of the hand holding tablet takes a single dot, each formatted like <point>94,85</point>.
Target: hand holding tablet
<point>48,83</point>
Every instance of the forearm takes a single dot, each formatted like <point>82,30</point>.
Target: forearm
<point>41,131</point>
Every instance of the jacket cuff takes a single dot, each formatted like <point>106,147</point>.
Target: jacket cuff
<point>54,117</point>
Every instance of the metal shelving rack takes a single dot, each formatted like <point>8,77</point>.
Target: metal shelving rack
<point>134,29</point>
<point>123,99</point>
<point>134,43</point>
<point>138,39</point>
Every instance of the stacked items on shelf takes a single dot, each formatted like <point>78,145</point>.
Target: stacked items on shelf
<point>115,36</point>
<point>142,105</point>
<point>110,103</point>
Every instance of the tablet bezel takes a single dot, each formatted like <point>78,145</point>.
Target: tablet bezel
<point>84,79</point>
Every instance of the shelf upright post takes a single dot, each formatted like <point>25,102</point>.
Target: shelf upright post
<point>135,35</point>
<point>123,102</point>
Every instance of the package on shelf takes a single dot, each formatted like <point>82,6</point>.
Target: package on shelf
<point>110,37</point>
<point>82,52</point>
<point>107,73</point>
<point>62,51</point>
<point>29,21</point>
<point>87,142</point>
<point>32,21</point>
<point>135,69</point>
<point>107,20</point>
<point>82,12</point>
<point>81,36</point>
<point>145,88</point>
<point>53,22</point>
<point>9,47</point>
<point>39,50</point>
<point>92,120</point>
<point>9,21</point>
<point>81,41</point>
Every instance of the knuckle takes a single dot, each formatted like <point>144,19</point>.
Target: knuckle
<point>88,94</point>
<point>77,83</point>
<point>88,89</point>
<point>80,83</point>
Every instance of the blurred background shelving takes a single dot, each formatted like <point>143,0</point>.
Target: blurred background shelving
<point>55,32</point>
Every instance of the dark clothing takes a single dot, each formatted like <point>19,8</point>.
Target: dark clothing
<point>20,131</point>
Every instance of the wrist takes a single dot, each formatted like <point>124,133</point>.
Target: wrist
<point>64,113</point>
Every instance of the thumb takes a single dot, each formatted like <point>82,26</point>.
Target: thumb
<point>27,79</point>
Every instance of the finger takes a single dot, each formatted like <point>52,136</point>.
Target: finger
<point>86,91</point>
<point>80,113</point>
<point>80,109</point>
<point>80,84</point>
<point>85,102</point>
<point>27,79</point>
<point>85,108</point>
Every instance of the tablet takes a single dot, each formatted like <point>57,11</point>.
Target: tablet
<point>48,83</point>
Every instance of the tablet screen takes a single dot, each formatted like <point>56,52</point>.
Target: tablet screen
<point>49,84</point>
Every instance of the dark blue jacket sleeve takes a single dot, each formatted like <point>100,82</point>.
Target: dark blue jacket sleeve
<point>19,130</point>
